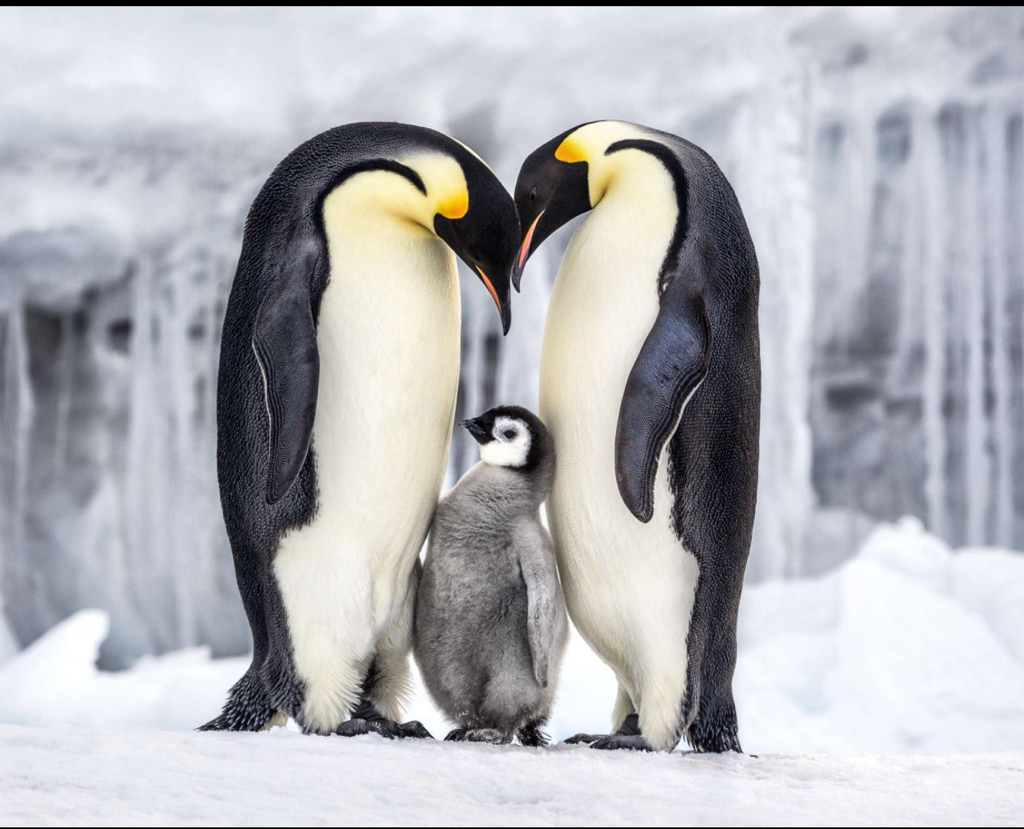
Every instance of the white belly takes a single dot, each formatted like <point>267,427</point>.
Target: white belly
<point>389,340</point>
<point>629,586</point>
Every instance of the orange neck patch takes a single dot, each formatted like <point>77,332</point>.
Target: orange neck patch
<point>455,207</point>
<point>570,151</point>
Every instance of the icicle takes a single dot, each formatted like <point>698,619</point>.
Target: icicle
<point>142,492</point>
<point>971,276</point>
<point>1015,147</point>
<point>176,358</point>
<point>18,347</point>
<point>65,391</point>
<point>997,204</point>
<point>933,196</point>
<point>772,182</point>
<point>859,184</point>
<point>911,270</point>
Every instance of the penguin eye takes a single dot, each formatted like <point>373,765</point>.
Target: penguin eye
<point>533,194</point>
<point>509,434</point>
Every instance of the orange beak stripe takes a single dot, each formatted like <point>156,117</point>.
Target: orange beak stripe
<point>525,249</point>
<point>490,288</point>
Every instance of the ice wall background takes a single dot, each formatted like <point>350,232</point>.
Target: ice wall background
<point>879,156</point>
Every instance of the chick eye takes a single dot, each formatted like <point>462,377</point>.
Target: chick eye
<point>509,434</point>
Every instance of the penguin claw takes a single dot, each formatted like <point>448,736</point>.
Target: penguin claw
<point>354,728</point>
<point>627,742</point>
<point>487,735</point>
<point>414,730</point>
<point>478,735</point>
<point>533,737</point>
<point>584,739</point>
<point>388,729</point>
<point>630,728</point>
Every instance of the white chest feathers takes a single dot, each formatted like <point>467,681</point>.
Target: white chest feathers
<point>629,586</point>
<point>388,335</point>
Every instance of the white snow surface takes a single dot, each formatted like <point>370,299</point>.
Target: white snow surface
<point>72,776</point>
<point>908,650</point>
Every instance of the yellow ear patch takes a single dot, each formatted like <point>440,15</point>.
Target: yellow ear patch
<point>570,151</point>
<point>456,206</point>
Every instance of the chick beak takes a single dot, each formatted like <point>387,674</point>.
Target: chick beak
<point>477,431</point>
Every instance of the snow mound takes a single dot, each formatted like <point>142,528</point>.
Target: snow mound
<point>909,648</point>
<point>55,682</point>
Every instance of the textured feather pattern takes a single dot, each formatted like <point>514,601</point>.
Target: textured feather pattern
<point>344,577</point>
<point>491,625</point>
<point>286,237</point>
<point>658,600</point>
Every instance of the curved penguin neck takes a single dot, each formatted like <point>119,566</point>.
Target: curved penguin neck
<point>624,173</point>
<point>368,198</point>
<point>635,207</point>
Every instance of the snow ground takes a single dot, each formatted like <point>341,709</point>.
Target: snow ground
<point>909,649</point>
<point>67,776</point>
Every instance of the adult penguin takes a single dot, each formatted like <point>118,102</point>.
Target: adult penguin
<point>338,374</point>
<point>650,385</point>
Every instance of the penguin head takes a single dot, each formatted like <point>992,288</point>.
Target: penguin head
<point>552,189</point>
<point>481,226</point>
<point>512,437</point>
<point>568,176</point>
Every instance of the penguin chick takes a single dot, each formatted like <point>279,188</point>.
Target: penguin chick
<point>491,625</point>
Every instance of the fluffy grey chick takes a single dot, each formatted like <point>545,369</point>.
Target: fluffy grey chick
<point>491,626</point>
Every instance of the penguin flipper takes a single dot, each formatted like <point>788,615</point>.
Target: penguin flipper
<point>544,602</point>
<point>284,342</point>
<point>671,365</point>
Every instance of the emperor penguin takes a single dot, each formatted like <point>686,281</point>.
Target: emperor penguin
<point>336,394</point>
<point>491,625</point>
<point>650,385</point>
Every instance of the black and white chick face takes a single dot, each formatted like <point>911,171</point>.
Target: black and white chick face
<point>510,437</point>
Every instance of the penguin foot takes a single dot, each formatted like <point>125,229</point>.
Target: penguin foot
<point>532,736</point>
<point>412,730</point>
<point>584,739</point>
<point>354,728</point>
<point>627,742</point>
<point>388,729</point>
<point>487,735</point>
<point>719,744</point>
<point>630,728</point>
<point>478,735</point>
<point>715,735</point>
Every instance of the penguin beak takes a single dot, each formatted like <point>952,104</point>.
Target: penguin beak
<point>504,305</point>
<point>477,431</point>
<point>524,253</point>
